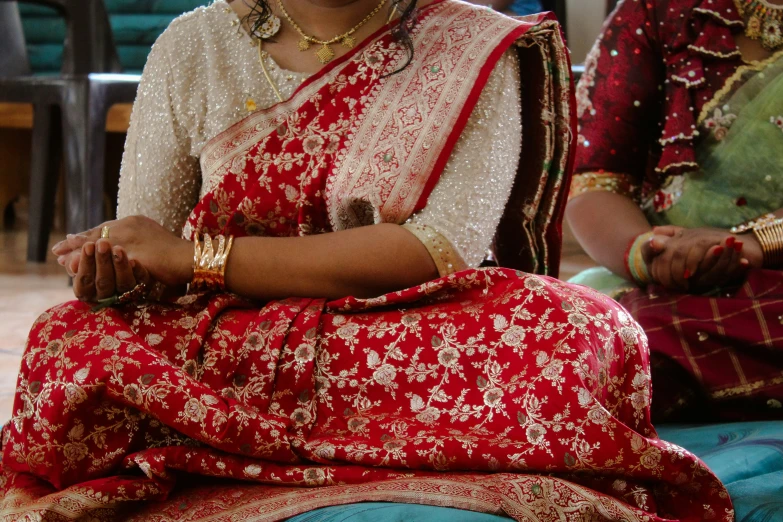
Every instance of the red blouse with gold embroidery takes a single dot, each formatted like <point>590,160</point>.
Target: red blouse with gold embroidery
<point>652,70</point>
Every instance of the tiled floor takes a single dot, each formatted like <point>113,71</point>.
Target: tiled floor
<point>28,289</point>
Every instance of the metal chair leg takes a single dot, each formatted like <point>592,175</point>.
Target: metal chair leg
<point>44,174</point>
<point>78,197</point>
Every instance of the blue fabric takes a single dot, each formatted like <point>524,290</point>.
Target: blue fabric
<point>747,457</point>
<point>386,512</point>
<point>526,7</point>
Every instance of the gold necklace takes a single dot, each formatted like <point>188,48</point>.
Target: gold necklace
<point>269,79</point>
<point>325,53</point>
<point>763,21</point>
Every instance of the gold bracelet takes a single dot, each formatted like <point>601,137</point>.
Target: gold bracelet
<point>753,223</point>
<point>209,265</point>
<point>769,234</point>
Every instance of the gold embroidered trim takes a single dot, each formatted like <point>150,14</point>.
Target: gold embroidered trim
<point>745,389</point>
<point>689,84</point>
<point>717,15</point>
<point>758,65</point>
<point>675,165</point>
<point>446,257</point>
<point>679,137</point>
<point>716,54</point>
<point>603,182</point>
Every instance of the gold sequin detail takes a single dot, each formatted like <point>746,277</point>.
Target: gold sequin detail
<point>441,250</point>
<point>603,182</point>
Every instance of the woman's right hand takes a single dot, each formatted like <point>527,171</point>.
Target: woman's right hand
<point>694,260</point>
<point>104,270</point>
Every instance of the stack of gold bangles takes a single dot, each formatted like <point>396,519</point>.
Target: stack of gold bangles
<point>768,230</point>
<point>209,264</point>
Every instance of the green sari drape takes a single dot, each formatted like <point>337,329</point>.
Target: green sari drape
<point>741,158</point>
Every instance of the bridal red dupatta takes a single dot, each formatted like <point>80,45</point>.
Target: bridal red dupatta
<point>491,390</point>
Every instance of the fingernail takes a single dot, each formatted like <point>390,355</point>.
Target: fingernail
<point>718,251</point>
<point>89,249</point>
<point>744,262</point>
<point>61,260</point>
<point>103,246</point>
<point>117,254</point>
<point>69,236</point>
<point>687,274</point>
<point>730,241</point>
<point>738,246</point>
<point>133,263</point>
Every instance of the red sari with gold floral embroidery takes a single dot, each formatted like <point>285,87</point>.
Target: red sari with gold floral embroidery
<point>491,390</point>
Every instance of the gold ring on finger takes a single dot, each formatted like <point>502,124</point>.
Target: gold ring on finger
<point>105,233</point>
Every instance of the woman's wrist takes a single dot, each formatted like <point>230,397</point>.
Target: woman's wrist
<point>752,250</point>
<point>183,262</point>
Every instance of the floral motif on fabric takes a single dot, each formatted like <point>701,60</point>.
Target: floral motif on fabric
<point>777,120</point>
<point>541,387</point>
<point>665,197</point>
<point>587,82</point>
<point>720,122</point>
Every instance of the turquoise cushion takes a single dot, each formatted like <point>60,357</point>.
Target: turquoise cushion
<point>747,457</point>
<point>136,24</point>
<point>132,29</point>
<point>174,7</point>
<point>383,512</point>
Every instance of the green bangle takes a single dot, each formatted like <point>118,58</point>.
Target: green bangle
<point>106,303</point>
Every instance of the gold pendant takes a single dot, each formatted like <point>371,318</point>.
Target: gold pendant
<point>772,36</point>
<point>304,44</point>
<point>325,54</point>
<point>753,27</point>
<point>349,42</point>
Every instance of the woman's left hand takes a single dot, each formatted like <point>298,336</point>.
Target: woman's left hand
<point>694,259</point>
<point>167,258</point>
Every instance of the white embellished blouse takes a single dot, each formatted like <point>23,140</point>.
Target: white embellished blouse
<point>203,76</point>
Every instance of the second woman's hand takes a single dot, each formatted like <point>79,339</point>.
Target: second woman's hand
<point>695,260</point>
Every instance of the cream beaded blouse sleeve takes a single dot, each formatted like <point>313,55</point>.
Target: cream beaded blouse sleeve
<point>159,178</point>
<point>195,85</point>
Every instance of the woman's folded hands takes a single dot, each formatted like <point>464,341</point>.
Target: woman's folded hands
<point>700,259</point>
<point>138,250</point>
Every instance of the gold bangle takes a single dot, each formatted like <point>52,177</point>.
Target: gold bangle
<point>769,233</point>
<point>209,265</point>
<point>760,221</point>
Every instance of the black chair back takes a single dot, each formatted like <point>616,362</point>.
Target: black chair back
<point>89,43</point>
<point>13,58</point>
<point>559,8</point>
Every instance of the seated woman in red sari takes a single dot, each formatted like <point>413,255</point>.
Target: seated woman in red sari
<point>681,127</point>
<point>328,199</point>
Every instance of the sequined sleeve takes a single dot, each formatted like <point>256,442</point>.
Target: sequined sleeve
<point>159,178</point>
<point>458,223</point>
<point>619,103</point>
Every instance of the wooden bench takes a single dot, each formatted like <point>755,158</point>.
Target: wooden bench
<point>20,116</point>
